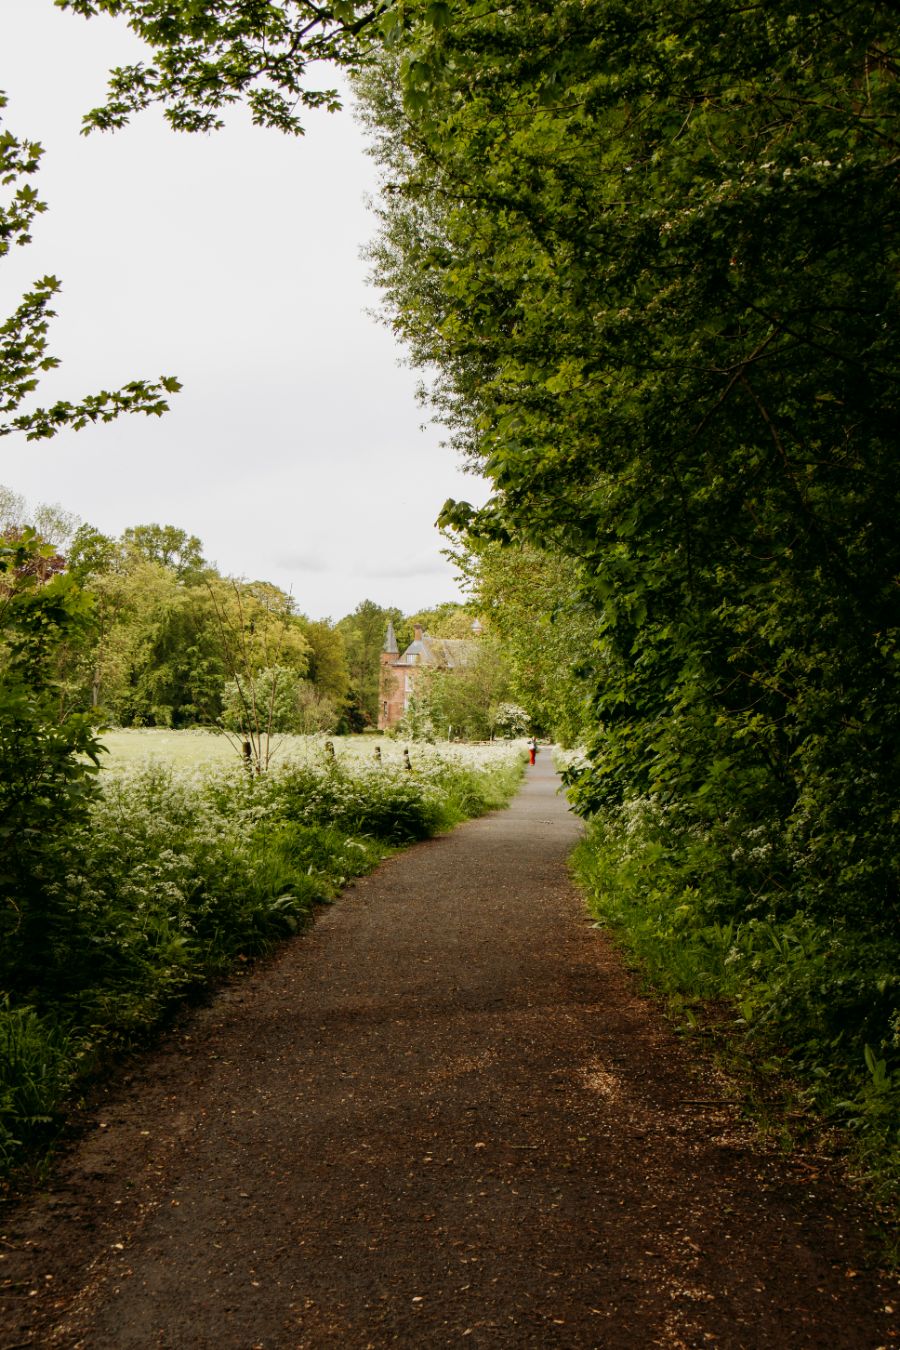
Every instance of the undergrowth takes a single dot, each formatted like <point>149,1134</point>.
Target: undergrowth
<point>167,881</point>
<point>812,1006</point>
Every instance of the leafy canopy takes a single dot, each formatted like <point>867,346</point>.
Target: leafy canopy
<point>652,255</point>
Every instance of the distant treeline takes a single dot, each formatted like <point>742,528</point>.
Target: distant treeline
<point>161,622</point>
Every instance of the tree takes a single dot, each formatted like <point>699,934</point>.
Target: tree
<point>531,602</point>
<point>263,649</point>
<point>170,547</point>
<point>13,509</point>
<point>91,553</point>
<point>363,633</point>
<point>449,620</point>
<point>134,604</point>
<point>179,674</point>
<point>327,659</point>
<point>290,703</point>
<point>652,257</point>
<point>51,523</point>
<point>511,719</point>
<point>315,711</point>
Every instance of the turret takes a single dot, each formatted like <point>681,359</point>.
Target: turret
<point>390,648</point>
<point>388,684</point>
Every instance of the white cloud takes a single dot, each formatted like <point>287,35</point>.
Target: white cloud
<point>296,450</point>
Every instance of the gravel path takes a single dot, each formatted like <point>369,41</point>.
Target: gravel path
<point>441,1118</point>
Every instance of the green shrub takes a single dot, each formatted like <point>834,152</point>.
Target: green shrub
<point>386,803</point>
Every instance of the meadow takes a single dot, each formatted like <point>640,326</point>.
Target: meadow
<point>129,747</point>
<point>183,864</point>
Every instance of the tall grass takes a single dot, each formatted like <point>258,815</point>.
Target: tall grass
<point>174,876</point>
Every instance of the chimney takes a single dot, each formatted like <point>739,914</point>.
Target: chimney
<point>417,632</point>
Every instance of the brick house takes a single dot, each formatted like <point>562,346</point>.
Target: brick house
<point>397,676</point>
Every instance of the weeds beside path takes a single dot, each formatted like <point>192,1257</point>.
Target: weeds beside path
<point>442,1117</point>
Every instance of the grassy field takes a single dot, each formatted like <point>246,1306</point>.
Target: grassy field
<point>194,749</point>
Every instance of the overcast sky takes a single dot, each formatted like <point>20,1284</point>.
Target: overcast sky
<point>296,450</point>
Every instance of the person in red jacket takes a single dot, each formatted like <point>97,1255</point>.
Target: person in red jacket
<point>532,750</point>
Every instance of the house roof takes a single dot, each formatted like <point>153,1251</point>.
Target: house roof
<point>424,650</point>
<point>444,653</point>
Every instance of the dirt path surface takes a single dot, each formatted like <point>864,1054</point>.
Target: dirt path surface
<point>441,1118</point>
